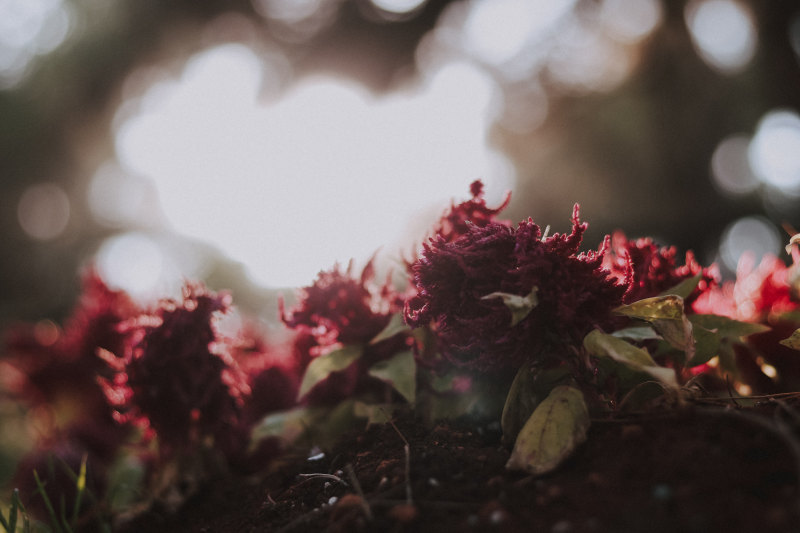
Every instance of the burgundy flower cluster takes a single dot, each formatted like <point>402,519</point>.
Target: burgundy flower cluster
<point>340,309</point>
<point>176,375</point>
<point>573,293</point>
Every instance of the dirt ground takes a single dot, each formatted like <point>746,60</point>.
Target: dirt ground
<point>704,469</point>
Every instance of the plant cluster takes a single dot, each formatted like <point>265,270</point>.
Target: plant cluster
<point>491,319</point>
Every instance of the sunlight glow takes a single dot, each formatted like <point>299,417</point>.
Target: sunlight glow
<point>326,174</point>
<point>132,262</point>
<point>497,31</point>
<point>723,33</point>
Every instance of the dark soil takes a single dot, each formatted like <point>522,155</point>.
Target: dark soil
<point>700,470</point>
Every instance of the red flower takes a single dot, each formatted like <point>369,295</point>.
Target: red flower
<point>574,293</point>
<point>474,212</point>
<point>341,309</point>
<point>653,270</point>
<point>177,375</point>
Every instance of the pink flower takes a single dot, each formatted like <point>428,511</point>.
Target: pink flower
<point>176,375</point>
<point>768,293</point>
<point>574,293</point>
<point>653,269</point>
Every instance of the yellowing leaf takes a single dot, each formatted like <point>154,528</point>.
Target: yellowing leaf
<point>400,371</point>
<point>529,388</point>
<point>520,306</point>
<point>794,240</point>
<point>793,341</point>
<point>666,315</point>
<point>600,344</point>
<point>554,430</point>
<point>323,366</point>
<point>655,308</point>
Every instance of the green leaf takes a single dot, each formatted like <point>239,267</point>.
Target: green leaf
<point>375,414</point>
<point>793,341</point>
<point>400,371</point>
<point>396,325</point>
<point>520,306</point>
<point>529,388</point>
<point>637,333</point>
<point>684,288</point>
<point>287,425</point>
<point>601,344</point>
<point>727,327</point>
<point>707,344</point>
<point>554,430</point>
<point>324,365</point>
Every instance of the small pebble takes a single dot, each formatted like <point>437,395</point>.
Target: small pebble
<point>497,517</point>
<point>562,526</point>
<point>662,492</point>
<point>332,500</point>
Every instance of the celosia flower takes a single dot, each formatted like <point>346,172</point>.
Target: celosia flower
<point>342,309</point>
<point>574,293</point>
<point>177,375</point>
<point>56,368</point>
<point>652,269</point>
<point>474,212</point>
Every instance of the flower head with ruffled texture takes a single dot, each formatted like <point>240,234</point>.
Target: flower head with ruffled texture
<point>177,375</point>
<point>573,293</point>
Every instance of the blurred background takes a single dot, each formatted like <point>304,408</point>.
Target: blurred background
<point>251,143</point>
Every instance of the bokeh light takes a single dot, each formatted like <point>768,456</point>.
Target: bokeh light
<point>43,211</point>
<point>497,31</point>
<point>398,6</point>
<point>326,174</point>
<point>754,235</point>
<point>730,167</point>
<point>132,262</point>
<point>723,33</point>
<point>775,151</point>
<point>630,21</point>
<point>29,28</point>
<point>117,199</point>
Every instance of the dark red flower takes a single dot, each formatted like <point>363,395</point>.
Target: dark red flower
<point>653,269</point>
<point>474,212</point>
<point>574,293</point>
<point>342,309</point>
<point>56,368</point>
<point>177,375</point>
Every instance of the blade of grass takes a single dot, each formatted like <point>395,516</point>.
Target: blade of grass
<point>80,484</point>
<point>47,503</point>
